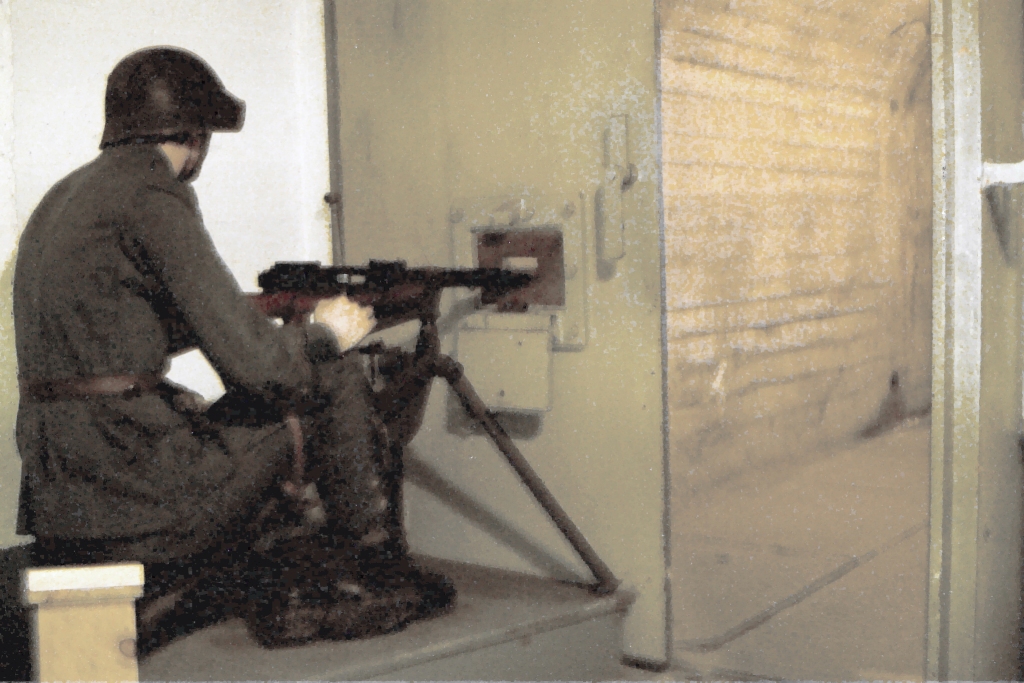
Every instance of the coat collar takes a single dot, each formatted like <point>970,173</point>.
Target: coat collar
<point>147,160</point>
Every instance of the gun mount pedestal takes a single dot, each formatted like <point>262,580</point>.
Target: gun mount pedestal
<point>399,294</point>
<point>452,372</point>
<point>430,363</point>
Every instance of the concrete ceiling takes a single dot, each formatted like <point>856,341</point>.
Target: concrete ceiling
<point>872,43</point>
<point>867,22</point>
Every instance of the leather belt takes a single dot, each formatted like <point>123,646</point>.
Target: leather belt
<point>75,389</point>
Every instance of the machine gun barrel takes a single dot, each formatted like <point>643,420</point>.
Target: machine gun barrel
<point>396,292</point>
<point>381,276</point>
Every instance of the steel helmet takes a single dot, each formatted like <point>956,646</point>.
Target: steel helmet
<point>166,91</point>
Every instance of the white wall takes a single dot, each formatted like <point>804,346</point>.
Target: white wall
<point>261,190</point>
<point>8,213</point>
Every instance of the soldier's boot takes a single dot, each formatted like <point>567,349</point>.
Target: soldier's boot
<point>180,600</point>
<point>329,584</point>
<point>389,566</point>
<point>350,576</point>
<point>384,567</point>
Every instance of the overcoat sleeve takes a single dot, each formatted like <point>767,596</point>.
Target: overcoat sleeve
<point>245,347</point>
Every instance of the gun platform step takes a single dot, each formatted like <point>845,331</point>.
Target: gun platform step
<point>505,626</point>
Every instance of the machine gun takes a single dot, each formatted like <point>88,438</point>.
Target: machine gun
<point>396,292</point>
<point>400,294</point>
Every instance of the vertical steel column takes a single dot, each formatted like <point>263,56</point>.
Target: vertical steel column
<point>334,197</point>
<point>937,627</point>
<point>956,340</point>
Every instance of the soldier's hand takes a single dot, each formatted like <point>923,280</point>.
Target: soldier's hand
<point>349,321</point>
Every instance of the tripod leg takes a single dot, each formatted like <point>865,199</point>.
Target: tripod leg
<point>452,372</point>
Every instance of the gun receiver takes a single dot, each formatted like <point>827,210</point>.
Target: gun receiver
<point>396,292</point>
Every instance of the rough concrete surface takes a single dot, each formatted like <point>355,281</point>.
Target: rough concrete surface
<point>797,187</point>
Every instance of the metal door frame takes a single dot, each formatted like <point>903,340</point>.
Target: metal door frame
<point>334,197</point>
<point>960,176</point>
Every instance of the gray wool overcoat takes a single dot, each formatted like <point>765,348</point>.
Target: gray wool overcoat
<point>115,272</point>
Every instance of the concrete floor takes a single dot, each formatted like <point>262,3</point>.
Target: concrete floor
<point>817,572</point>
<point>811,572</point>
<point>504,626</point>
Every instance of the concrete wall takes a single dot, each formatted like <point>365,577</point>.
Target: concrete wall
<point>261,190</point>
<point>454,99</point>
<point>796,154</point>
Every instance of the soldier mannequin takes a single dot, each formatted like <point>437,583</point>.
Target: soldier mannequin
<point>279,501</point>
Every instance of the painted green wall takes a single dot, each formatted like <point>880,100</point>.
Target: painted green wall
<point>451,99</point>
<point>999,466</point>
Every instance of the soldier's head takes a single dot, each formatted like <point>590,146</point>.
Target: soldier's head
<point>170,97</point>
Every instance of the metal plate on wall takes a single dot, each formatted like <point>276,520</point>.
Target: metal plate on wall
<point>471,218</point>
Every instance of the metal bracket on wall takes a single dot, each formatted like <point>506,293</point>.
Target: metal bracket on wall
<point>1002,174</point>
<point>470,218</point>
<point>619,176</point>
<point>998,183</point>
